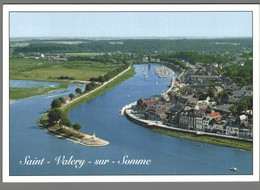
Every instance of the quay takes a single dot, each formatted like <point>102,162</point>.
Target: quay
<point>157,124</point>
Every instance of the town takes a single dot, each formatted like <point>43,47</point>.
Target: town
<point>201,99</point>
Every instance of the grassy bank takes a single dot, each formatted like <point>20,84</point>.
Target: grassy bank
<point>207,139</point>
<point>45,70</point>
<point>57,129</point>
<point>74,135</point>
<point>128,74</point>
<point>17,93</point>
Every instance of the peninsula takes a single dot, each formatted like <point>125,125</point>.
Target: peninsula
<point>61,125</point>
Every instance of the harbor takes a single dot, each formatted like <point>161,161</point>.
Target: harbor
<point>163,72</point>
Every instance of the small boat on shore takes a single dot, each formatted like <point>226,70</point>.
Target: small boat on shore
<point>233,169</point>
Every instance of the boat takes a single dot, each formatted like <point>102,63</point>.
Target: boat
<point>157,83</point>
<point>128,96</point>
<point>199,144</point>
<point>233,169</point>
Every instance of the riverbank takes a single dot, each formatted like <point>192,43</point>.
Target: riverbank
<point>69,133</point>
<point>216,139</point>
<point>77,136</point>
<point>130,72</point>
<point>17,93</point>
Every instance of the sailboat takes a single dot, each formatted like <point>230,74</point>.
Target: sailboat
<point>145,74</point>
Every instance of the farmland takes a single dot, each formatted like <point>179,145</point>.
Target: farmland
<point>46,70</point>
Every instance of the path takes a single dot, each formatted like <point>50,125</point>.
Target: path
<point>105,83</point>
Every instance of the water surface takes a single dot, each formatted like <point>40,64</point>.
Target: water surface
<point>169,155</point>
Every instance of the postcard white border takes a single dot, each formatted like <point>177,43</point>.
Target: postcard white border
<point>127,8</point>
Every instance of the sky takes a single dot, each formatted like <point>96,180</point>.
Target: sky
<point>130,24</point>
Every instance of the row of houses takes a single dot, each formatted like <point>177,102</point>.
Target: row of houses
<point>189,113</point>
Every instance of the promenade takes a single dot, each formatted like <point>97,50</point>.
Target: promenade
<point>129,112</point>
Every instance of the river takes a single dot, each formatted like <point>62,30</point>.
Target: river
<point>168,155</point>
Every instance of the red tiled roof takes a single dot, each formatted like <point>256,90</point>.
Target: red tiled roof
<point>151,103</point>
<point>216,116</point>
<point>66,98</point>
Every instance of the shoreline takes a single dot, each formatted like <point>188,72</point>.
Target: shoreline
<point>50,91</point>
<point>128,73</point>
<point>201,136</point>
<point>211,138</point>
<point>85,140</point>
<point>77,136</point>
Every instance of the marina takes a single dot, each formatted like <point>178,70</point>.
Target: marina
<point>163,72</point>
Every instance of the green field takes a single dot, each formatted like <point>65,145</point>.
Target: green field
<point>17,93</point>
<point>207,139</point>
<point>44,70</point>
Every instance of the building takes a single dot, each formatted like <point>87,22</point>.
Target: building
<point>67,99</point>
<point>232,129</point>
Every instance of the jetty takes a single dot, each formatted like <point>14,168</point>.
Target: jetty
<point>75,136</point>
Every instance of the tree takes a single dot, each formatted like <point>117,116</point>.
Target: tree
<point>71,96</point>
<point>65,120</point>
<point>88,87</point>
<point>233,108</point>
<point>54,116</point>
<point>211,93</point>
<point>76,126</point>
<point>62,100</point>
<point>242,106</point>
<point>56,103</point>
<point>78,91</point>
<point>170,93</point>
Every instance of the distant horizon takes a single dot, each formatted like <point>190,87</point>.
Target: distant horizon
<point>135,37</point>
<point>131,24</point>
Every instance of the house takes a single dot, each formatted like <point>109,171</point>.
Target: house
<point>60,59</point>
<point>199,123</point>
<point>207,124</point>
<point>143,104</point>
<point>155,112</point>
<point>67,99</point>
<point>223,108</point>
<point>244,132</point>
<point>220,126</point>
<point>215,115</point>
<point>242,119</point>
<point>232,129</point>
